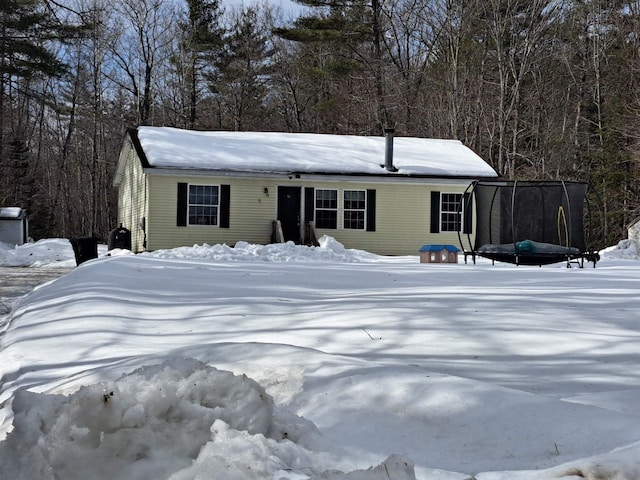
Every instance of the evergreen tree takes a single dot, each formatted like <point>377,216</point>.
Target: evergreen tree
<point>241,82</point>
<point>333,21</point>
<point>24,27</point>
<point>27,32</point>
<point>355,30</point>
<point>200,48</point>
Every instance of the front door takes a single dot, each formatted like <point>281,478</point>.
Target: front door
<point>289,212</point>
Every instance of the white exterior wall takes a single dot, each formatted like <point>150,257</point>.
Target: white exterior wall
<point>12,231</point>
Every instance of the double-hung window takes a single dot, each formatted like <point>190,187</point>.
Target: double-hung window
<point>326,208</point>
<point>204,204</point>
<point>450,212</point>
<point>355,207</point>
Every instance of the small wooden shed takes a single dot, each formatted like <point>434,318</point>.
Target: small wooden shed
<point>14,225</point>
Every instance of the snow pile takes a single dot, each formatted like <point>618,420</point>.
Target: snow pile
<point>252,362</point>
<point>58,252</point>
<point>43,253</point>
<point>625,249</point>
<point>329,250</point>
<point>179,420</point>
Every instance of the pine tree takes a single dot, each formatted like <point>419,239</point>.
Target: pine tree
<point>333,21</point>
<point>27,33</point>
<point>242,72</point>
<point>355,30</point>
<point>201,45</point>
<point>24,26</point>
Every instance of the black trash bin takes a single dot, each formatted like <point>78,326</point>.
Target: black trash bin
<point>120,238</point>
<point>84,248</point>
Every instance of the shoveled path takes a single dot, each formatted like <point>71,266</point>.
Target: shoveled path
<point>16,282</point>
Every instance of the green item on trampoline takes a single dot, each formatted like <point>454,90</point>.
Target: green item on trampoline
<point>525,246</point>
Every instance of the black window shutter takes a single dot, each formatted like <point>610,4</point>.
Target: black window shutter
<point>467,221</point>
<point>435,212</point>
<point>309,204</point>
<point>225,202</point>
<point>181,218</point>
<point>371,211</point>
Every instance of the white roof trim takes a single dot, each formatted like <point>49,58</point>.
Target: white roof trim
<point>297,178</point>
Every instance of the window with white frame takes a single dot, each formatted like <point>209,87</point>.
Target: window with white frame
<point>326,208</point>
<point>354,209</point>
<point>204,204</point>
<point>450,212</point>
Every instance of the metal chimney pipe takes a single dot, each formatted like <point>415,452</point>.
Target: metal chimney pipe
<point>388,152</point>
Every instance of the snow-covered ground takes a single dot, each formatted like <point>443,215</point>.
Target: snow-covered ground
<point>290,362</point>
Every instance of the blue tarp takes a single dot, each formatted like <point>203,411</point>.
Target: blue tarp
<point>439,248</point>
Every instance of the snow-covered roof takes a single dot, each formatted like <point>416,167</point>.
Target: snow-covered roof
<point>11,213</point>
<point>275,152</point>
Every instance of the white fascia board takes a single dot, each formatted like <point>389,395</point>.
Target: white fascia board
<point>291,177</point>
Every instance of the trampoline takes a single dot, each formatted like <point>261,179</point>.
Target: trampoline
<point>526,222</point>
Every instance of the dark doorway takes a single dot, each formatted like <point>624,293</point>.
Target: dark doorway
<point>289,212</point>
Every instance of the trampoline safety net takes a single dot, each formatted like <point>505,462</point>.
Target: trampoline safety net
<point>532,223</point>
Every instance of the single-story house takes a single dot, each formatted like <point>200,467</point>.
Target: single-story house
<point>382,194</point>
<point>14,225</point>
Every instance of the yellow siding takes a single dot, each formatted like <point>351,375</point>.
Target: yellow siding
<point>251,213</point>
<point>132,198</point>
<point>403,218</point>
<point>402,214</point>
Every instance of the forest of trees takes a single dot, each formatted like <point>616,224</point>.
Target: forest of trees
<point>541,89</point>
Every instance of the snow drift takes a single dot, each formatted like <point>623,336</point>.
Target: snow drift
<point>297,363</point>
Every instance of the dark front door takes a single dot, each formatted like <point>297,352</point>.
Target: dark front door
<point>289,212</point>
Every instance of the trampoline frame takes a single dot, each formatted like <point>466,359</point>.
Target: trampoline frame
<point>513,252</point>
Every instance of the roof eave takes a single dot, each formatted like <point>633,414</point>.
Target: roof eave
<point>299,174</point>
<point>131,140</point>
